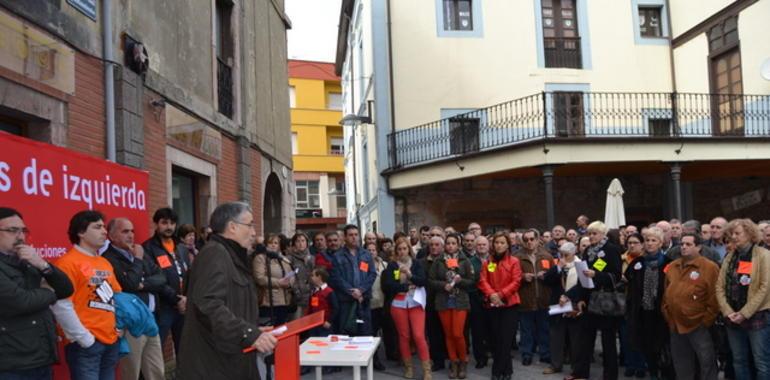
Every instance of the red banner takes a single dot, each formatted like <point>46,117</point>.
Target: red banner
<point>49,184</point>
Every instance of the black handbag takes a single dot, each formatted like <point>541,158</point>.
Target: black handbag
<point>608,303</point>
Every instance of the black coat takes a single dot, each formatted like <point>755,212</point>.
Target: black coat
<point>153,249</point>
<point>144,272</point>
<point>645,330</point>
<point>222,314</point>
<point>27,328</point>
<point>604,279</point>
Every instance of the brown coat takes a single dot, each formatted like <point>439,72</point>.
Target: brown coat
<point>759,289</point>
<point>690,301</point>
<point>534,295</point>
<point>221,317</point>
<point>278,269</point>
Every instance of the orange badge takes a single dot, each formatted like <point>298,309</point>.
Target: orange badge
<point>363,266</point>
<point>314,301</point>
<point>164,262</point>
<point>744,267</point>
<point>546,264</point>
<point>451,263</point>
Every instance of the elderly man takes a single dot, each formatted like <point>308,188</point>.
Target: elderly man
<point>665,226</point>
<point>718,225</point>
<point>766,236</point>
<point>572,236</point>
<point>370,238</point>
<point>144,279</point>
<point>581,224</point>
<point>222,303</point>
<point>705,232</point>
<point>28,348</point>
<point>557,232</point>
<point>690,307</point>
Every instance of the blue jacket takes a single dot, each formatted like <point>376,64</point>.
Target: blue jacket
<point>347,273</point>
<point>133,316</point>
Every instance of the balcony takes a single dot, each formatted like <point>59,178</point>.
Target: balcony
<point>225,88</point>
<point>562,52</point>
<point>582,116</point>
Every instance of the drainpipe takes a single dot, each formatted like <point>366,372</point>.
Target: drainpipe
<point>109,78</point>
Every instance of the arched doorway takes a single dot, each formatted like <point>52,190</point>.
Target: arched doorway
<point>272,205</point>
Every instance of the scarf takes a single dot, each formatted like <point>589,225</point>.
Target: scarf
<point>569,274</point>
<point>651,280</point>
<point>593,250</point>
<point>737,294</point>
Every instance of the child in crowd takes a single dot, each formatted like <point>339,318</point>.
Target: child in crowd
<point>322,298</point>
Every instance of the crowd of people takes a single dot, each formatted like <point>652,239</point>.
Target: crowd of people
<point>671,300</point>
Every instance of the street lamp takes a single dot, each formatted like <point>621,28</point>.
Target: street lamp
<point>354,120</point>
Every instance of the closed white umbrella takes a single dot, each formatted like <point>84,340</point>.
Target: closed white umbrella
<point>614,212</point>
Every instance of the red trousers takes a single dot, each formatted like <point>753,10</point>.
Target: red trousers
<point>410,324</point>
<point>453,323</point>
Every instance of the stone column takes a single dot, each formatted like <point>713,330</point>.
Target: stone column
<point>676,175</point>
<point>550,216</point>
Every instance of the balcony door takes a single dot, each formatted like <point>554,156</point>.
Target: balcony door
<point>727,116</point>
<point>561,39</point>
<point>568,114</point>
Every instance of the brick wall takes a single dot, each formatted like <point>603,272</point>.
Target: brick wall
<point>155,152</point>
<point>86,126</point>
<point>227,172</point>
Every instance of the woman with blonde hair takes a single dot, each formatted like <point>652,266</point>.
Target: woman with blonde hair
<point>743,293</point>
<point>401,280</point>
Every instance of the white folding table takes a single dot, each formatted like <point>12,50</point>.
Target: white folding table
<point>319,352</point>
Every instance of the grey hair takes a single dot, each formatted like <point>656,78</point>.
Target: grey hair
<point>568,248</point>
<point>692,223</point>
<point>113,224</point>
<point>226,213</point>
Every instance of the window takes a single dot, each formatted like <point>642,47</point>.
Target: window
<point>334,101</point>
<point>292,97</point>
<point>336,146</point>
<point>726,78</point>
<point>561,39</point>
<point>307,194</point>
<point>458,15</point>
<point>568,113</point>
<point>650,24</point>
<point>223,40</point>
<point>12,126</point>
<point>184,192</point>
<point>464,134</point>
<point>660,127</point>
<point>339,190</point>
<point>294,147</point>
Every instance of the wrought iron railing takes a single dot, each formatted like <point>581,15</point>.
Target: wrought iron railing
<point>225,88</point>
<point>582,115</point>
<point>562,52</point>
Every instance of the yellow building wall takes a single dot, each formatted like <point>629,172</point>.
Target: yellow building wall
<point>432,72</point>
<point>692,59</point>
<point>315,125</point>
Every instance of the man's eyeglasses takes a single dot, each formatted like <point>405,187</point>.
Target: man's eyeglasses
<point>252,224</point>
<point>528,239</point>
<point>16,230</point>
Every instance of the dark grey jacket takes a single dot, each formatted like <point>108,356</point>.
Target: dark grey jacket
<point>222,314</point>
<point>27,329</point>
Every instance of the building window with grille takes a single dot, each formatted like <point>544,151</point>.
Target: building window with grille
<point>225,47</point>
<point>336,146</point>
<point>650,24</point>
<point>307,195</point>
<point>561,38</point>
<point>726,79</point>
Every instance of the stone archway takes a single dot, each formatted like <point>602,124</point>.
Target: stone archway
<point>273,204</point>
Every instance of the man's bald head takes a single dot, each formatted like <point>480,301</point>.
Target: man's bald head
<point>121,233</point>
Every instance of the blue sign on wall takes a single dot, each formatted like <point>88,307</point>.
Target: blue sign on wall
<point>87,7</point>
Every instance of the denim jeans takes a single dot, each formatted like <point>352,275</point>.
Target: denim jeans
<point>39,373</point>
<point>97,362</point>
<point>534,330</point>
<point>750,343</point>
